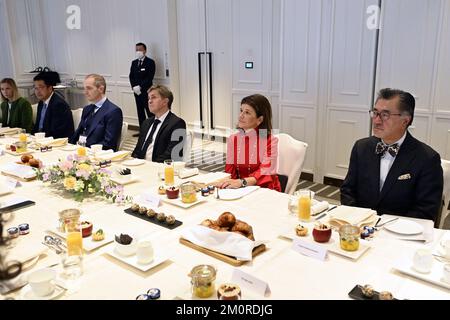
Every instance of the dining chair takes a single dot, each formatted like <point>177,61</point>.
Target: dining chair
<point>446,193</point>
<point>123,134</point>
<point>291,157</point>
<point>76,115</point>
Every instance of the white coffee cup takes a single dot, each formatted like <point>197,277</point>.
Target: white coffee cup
<point>423,260</point>
<point>41,282</point>
<point>445,244</point>
<point>144,252</point>
<point>96,148</point>
<point>446,277</point>
<point>39,135</point>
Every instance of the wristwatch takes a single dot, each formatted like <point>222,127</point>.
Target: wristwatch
<point>243,183</point>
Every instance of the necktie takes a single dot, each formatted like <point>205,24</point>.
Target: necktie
<point>90,117</point>
<point>140,63</point>
<point>382,148</point>
<point>41,120</point>
<point>150,137</point>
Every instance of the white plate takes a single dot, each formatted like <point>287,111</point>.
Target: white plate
<point>27,293</point>
<point>179,203</point>
<point>435,276</point>
<point>234,194</point>
<point>133,162</point>
<point>333,245</point>
<point>88,243</point>
<point>403,226</point>
<point>69,147</point>
<point>159,257</point>
<point>123,180</point>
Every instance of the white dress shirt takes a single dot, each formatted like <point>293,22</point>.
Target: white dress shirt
<point>386,162</point>
<point>99,104</point>
<point>9,113</point>
<point>149,154</point>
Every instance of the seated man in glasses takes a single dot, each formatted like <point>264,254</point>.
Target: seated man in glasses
<point>392,172</point>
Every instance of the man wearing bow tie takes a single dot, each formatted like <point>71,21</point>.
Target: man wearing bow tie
<point>101,121</point>
<point>141,76</point>
<point>392,172</point>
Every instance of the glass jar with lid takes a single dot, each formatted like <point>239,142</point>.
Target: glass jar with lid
<point>67,216</point>
<point>188,192</point>
<point>203,281</point>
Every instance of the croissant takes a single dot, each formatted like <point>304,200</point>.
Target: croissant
<point>226,220</point>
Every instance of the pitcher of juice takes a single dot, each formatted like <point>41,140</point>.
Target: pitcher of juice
<point>169,173</point>
<point>304,205</point>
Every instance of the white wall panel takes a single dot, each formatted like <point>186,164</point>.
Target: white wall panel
<point>408,46</point>
<point>442,93</point>
<point>420,128</point>
<point>344,128</point>
<point>6,62</point>
<point>300,51</point>
<point>441,136</point>
<point>296,120</point>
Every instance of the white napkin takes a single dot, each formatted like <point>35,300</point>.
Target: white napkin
<point>319,207</point>
<point>210,178</point>
<point>229,243</point>
<point>186,173</point>
<point>352,215</point>
<point>115,156</point>
<point>234,194</point>
<point>19,170</point>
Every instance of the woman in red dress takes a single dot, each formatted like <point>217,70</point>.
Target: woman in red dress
<point>252,152</point>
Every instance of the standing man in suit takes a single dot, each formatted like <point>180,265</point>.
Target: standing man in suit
<point>142,72</point>
<point>392,172</point>
<point>161,136</point>
<point>53,115</point>
<point>101,121</point>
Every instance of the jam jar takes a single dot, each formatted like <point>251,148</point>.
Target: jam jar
<point>188,193</point>
<point>202,282</point>
<point>349,237</point>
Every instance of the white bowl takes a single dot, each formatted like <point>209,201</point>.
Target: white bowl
<point>126,250</point>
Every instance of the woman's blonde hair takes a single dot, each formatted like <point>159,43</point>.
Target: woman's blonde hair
<point>13,85</point>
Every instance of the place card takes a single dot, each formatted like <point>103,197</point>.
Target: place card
<point>309,249</point>
<point>12,183</point>
<point>250,282</point>
<point>149,200</point>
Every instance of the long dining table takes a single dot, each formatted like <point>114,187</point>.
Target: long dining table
<point>288,274</point>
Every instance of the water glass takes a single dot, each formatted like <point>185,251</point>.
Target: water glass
<point>72,261</point>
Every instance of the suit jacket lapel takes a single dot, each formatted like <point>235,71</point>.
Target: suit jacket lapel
<point>374,162</point>
<point>402,160</point>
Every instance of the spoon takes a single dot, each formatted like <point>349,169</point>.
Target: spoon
<point>54,242</point>
<point>58,251</point>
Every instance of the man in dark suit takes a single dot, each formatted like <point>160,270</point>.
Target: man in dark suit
<point>101,121</point>
<point>162,136</point>
<point>142,72</point>
<point>392,172</point>
<point>53,114</point>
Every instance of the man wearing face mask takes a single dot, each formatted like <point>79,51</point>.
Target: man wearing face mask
<point>142,72</point>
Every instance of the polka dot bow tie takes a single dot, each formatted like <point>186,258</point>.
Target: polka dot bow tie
<point>382,148</point>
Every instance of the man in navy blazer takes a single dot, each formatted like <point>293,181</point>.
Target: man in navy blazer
<point>53,114</point>
<point>392,172</point>
<point>162,136</point>
<point>101,121</point>
<point>141,76</point>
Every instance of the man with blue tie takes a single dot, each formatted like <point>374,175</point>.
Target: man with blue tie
<point>392,172</point>
<point>101,121</point>
<point>53,114</point>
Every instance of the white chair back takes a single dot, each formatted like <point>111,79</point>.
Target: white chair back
<point>34,107</point>
<point>76,115</point>
<point>123,134</point>
<point>446,192</point>
<point>291,156</point>
<point>188,145</point>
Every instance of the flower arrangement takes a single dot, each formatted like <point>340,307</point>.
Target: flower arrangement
<point>81,177</point>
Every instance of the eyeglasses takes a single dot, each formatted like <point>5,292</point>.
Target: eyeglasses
<point>384,115</point>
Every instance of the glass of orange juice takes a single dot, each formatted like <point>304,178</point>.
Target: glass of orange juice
<point>169,173</point>
<point>304,205</point>
<point>72,260</point>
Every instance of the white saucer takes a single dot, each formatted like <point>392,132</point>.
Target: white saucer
<point>27,293</point>
<point>133,162</point>
<point>69,147</point>
<point>403,226</point>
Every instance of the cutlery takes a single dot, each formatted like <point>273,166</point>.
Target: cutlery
<point>321,216</point>
<point>58,251</point>
<point>389,221</point>
<point>217,194</point>
<point>441,258</point>
<point>54,241</point>
<point>332,208</point>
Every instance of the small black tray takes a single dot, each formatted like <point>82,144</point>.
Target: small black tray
<point>357,294</point>
<point>154,220</point>
<point>17,206</point>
